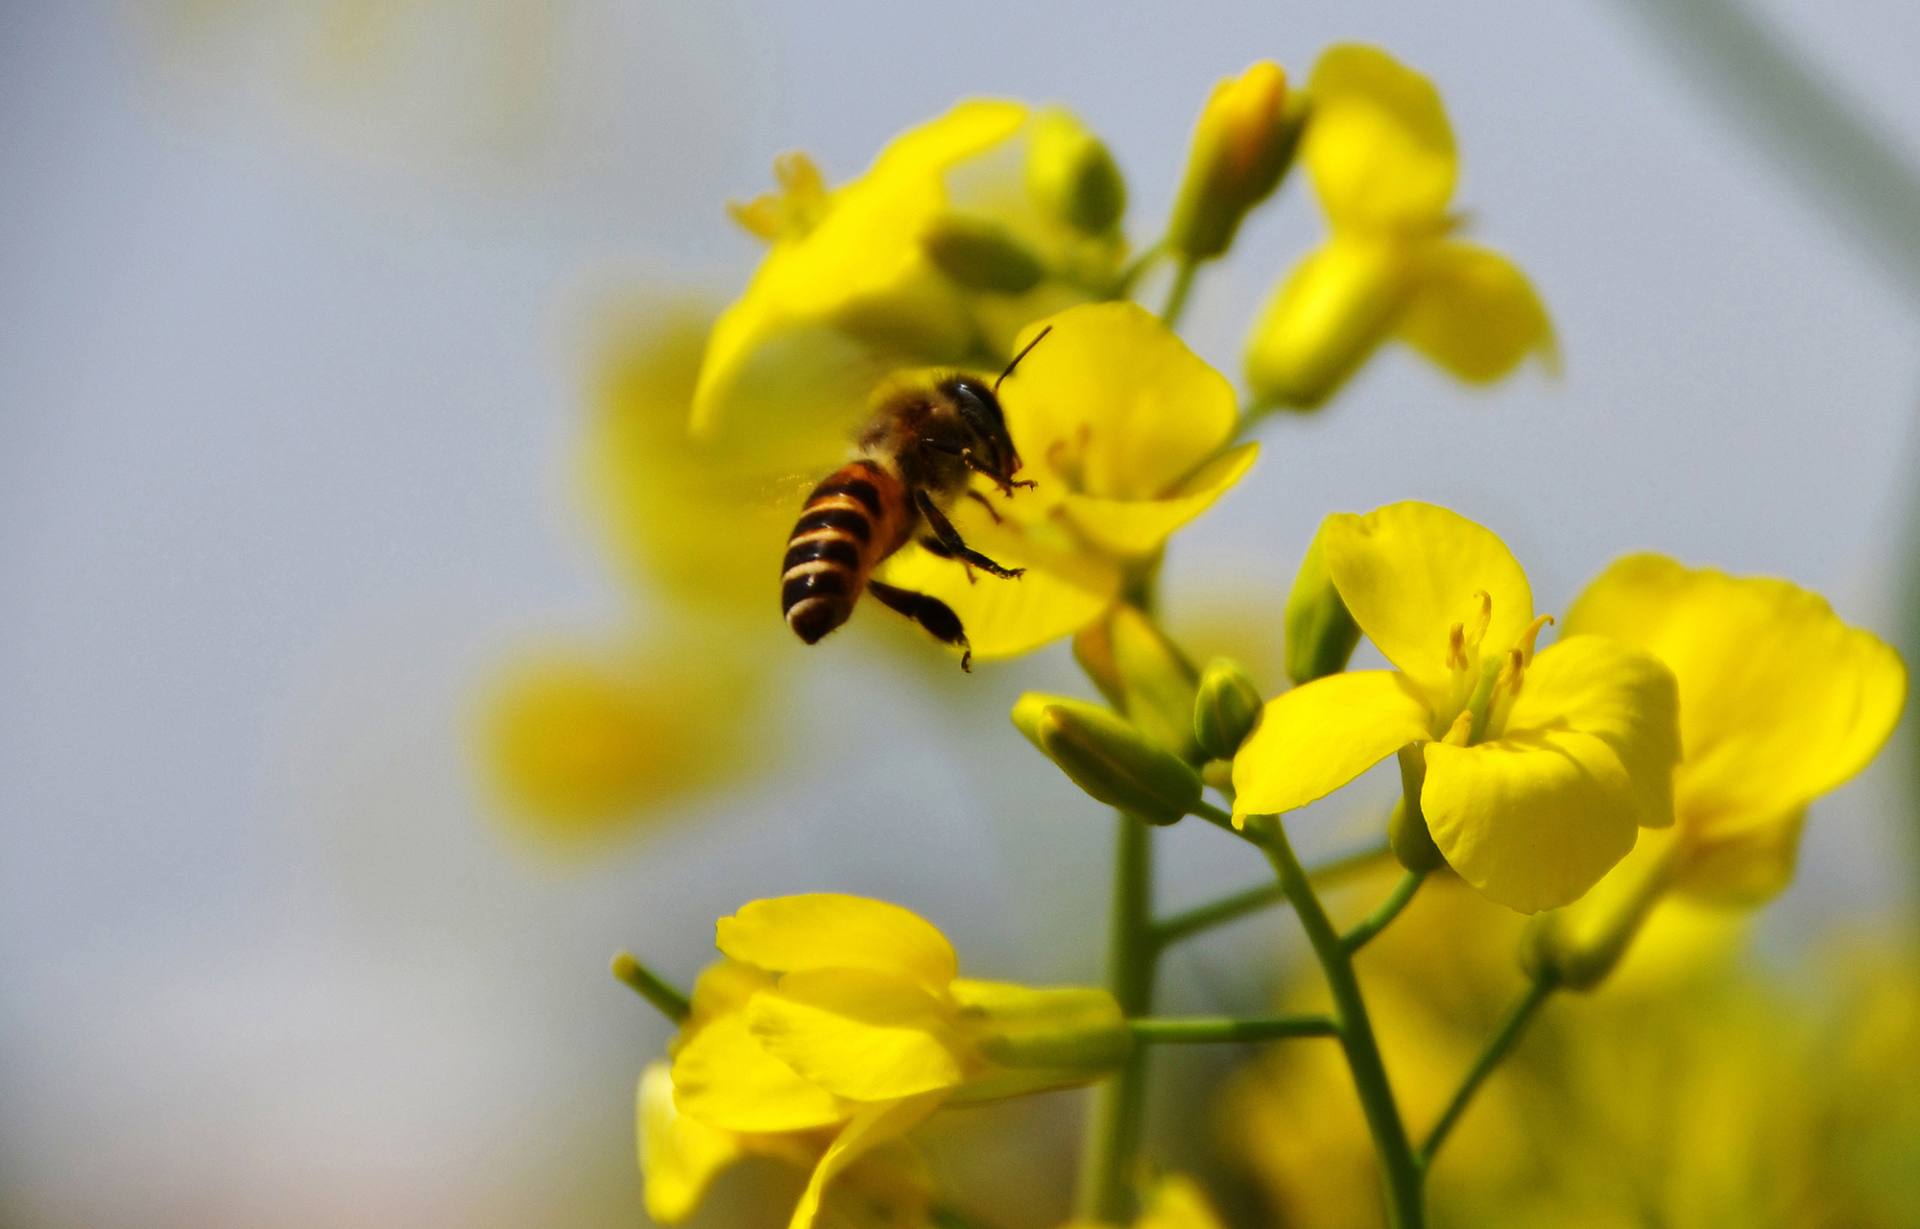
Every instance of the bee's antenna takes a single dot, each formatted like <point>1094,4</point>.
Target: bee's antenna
<point>1016,358</point>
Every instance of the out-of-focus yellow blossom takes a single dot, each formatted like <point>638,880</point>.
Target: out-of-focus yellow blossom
<point>851,288</point>
<point>1174,1201</point>
<point>846,1017</point>
<point>1780,702</point>
<point>1128,434</point>
<point>1382,157</point>
<point>579,745</point>
<point>576,744</point>
<point>1434,983</point>
<point>1241,148</point>
<point>1539,769</point>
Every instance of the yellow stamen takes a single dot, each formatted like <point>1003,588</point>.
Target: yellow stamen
<point>1460,732</point>
<point>1524,645</point>
<point>1476,627</point>
<point>1457,647</point>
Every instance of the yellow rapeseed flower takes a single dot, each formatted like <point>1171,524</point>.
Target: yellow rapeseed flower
<point>846,1018</point>
<point>1539,770</point>
<point>947,245</point>
<point>580,743</point>
<point>1129,436</point>
<point>1382,158</point>
<point>1780,702</point>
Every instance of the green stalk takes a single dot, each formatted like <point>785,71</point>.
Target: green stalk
<point>1231,908</point>
<point>1518,1017</point>
<point>1399,1167</point>
<point>1183,276</point>
<point>1203,1030</point>
<point>1119,1111</point>
<point>667,999</point>
<point>1382,917</point>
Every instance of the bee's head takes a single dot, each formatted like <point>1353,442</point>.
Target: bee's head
<point>978,404</point>
<point>979,408</point>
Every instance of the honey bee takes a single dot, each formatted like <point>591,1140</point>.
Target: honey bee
<point>918,455</point>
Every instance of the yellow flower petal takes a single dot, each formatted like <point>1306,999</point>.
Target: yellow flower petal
<point>969,128</point>
<point>1113,405</point>
<point>862,1035</point>
<point>1780,701</point>
<point>1409,571</point>
<point>1746,867</point>
<point>1378,142</point>
<point>1332,311</point>
<point>828,312</point>
<point>1534,820</point>
<point>827,930</point>
<point>1066,585</point>
<point>722,989</point>
<point>1139,526</point>
<point>724,1077</point>
<point>1316,738</point>
<point>679,1156</point>
<point>1474,313</point>
<point>870,1128</point>
<point>1624,697</point>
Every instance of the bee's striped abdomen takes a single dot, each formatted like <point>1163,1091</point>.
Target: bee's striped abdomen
<point>853,520</point>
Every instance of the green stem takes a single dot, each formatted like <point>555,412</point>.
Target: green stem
<point>1119,1112</point>
<point>1197,1030</point>
<point>1130,276</point>
<point>1389,909</point>
<point>1185,925</point>
<point>1518,1017</point>
<point>1399,1167</point>
<point>1221,820</point>
<point>666,998</point>
<point>1183,276</point>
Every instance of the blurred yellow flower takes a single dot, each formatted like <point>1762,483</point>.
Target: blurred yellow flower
<point>846,1016</point>
<point>1382,157</point>
<point>579,743</point>
<point>1128,434</point>
<point>576,744</point>
<point>1174,1201</point>
<point>1780,702</point>
<point>1539,770</point>
<point>947,245</point>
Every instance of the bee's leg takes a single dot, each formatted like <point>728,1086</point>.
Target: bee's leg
<point>950,538</point>
<point>929,612</point>
<point>984,502</point>
<point>934,546</point>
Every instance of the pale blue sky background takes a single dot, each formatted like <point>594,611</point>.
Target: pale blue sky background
<point>289,399</point>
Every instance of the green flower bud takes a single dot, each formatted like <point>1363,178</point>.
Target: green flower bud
<point>1072,176</point>
<point>1320,633</point>
<point>1226,708</point>
<point>981,254</point>
<point>1242,145</point>
<point>1108,758</point>
<point>1407,832</point>
<point>1064,1030</point>
<point>1144,675</point>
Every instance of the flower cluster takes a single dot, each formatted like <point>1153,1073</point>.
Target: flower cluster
<point>1657,739</point>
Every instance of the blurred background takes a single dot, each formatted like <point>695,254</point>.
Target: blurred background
<point>302,306</point>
